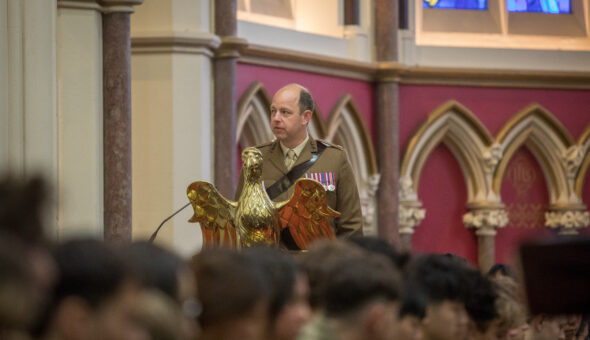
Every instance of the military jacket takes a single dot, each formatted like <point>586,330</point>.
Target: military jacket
<point>332,169</point>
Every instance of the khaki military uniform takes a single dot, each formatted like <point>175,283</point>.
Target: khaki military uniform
<point>332,168</point>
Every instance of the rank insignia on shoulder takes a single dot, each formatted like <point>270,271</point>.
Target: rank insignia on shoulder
<point>326,178</point>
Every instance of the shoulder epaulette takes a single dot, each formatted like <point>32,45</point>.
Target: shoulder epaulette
<point>264,144</point>
<point>330,145</point>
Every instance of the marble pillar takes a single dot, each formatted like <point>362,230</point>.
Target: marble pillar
<point>224,90</point>
<point>388,120</point>
<point>117,120</point>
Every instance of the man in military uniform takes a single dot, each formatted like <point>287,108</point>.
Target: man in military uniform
<point>290,112</point>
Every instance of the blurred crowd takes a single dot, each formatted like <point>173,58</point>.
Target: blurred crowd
<point>361,288</point>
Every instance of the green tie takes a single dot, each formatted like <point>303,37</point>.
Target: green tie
<point>290,159</point>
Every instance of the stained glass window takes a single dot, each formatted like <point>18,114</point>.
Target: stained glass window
<point>542,6</point>
<point>456,4</point>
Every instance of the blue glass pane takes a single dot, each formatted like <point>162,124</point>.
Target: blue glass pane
<point>539,6</point>
<point>455,4</point>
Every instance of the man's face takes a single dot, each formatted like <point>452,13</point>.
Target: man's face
<point>573,322</point>
<point>409,327</point>
<point>552,328</point>
<point>287,123</point>
<point>114,319</point>
<point>444,321</point>
<point>295,314</point>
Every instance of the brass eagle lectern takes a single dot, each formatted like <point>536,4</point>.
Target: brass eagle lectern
<point>255,219</point>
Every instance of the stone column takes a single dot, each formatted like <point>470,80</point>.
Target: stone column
<point>387,120</point>
<point>486,219</point>
<point>567,220</point>
<point>224,89</point>
<point>117,119</point>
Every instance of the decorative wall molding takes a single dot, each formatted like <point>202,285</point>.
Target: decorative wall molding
<point>103,6</point>
<point>371,71</point>
<point>567,221</point>
<point>195,43</point>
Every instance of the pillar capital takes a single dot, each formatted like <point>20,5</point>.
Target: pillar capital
<point>486,220</point>
<point>567,220</point>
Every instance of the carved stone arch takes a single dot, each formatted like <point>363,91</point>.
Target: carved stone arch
<point>547,139</point>
<point>469,141</point>
<point>584,149</point>
<point>316,127</point>
<point>560,159</point>
<point>253,125</point>
<point>477,154</point>
<point>346,127</point>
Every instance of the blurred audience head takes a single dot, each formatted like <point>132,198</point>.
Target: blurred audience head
<point>362,297</point>
<point>234,294</point>
<point>441,279</point>
<point>161,270</point>
<point>94,297</point>
<point>288,307</point>
<point>317,263</point>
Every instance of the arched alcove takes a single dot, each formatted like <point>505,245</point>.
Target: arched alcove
<point>346,127</point>
<point>253,125</point>
<point>468,140</point>
<point>547,139</point>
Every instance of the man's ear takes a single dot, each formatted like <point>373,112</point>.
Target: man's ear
<point>306,116</point>
<point>376,320</point>
<point>73,318</point>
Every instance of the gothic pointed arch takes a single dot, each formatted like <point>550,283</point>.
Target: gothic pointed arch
<point>584,150</point>
<point>316,127</point>
<point>469,141</point>
<point>548,140</point>
<point>346,127</point>
<point>253,125</point>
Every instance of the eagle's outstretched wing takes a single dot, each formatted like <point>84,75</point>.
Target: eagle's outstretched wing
<point>307,214</point>
<point>214,213</point>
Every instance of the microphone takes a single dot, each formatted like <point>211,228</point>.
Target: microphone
<point>153,237</point>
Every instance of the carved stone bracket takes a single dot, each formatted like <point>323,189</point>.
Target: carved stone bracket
<point>368,202</point>
<point>567,221</point>
<point>491,157</point>
<point>486,220</point>
<point>410,215</point>
<point>572,159</point>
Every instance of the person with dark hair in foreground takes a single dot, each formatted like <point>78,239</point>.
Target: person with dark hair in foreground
<point>361,301</point>
<point>94,297</point>
<point>289,307</point>
<point>234,293</point>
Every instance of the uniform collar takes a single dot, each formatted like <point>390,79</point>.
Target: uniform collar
<point>297,149</point>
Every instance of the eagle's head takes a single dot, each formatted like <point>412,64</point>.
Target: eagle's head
<point>252,163</point>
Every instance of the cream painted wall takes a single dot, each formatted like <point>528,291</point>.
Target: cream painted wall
<point>80,96</point>
<point>172,119</point>
<point>28,119</point>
